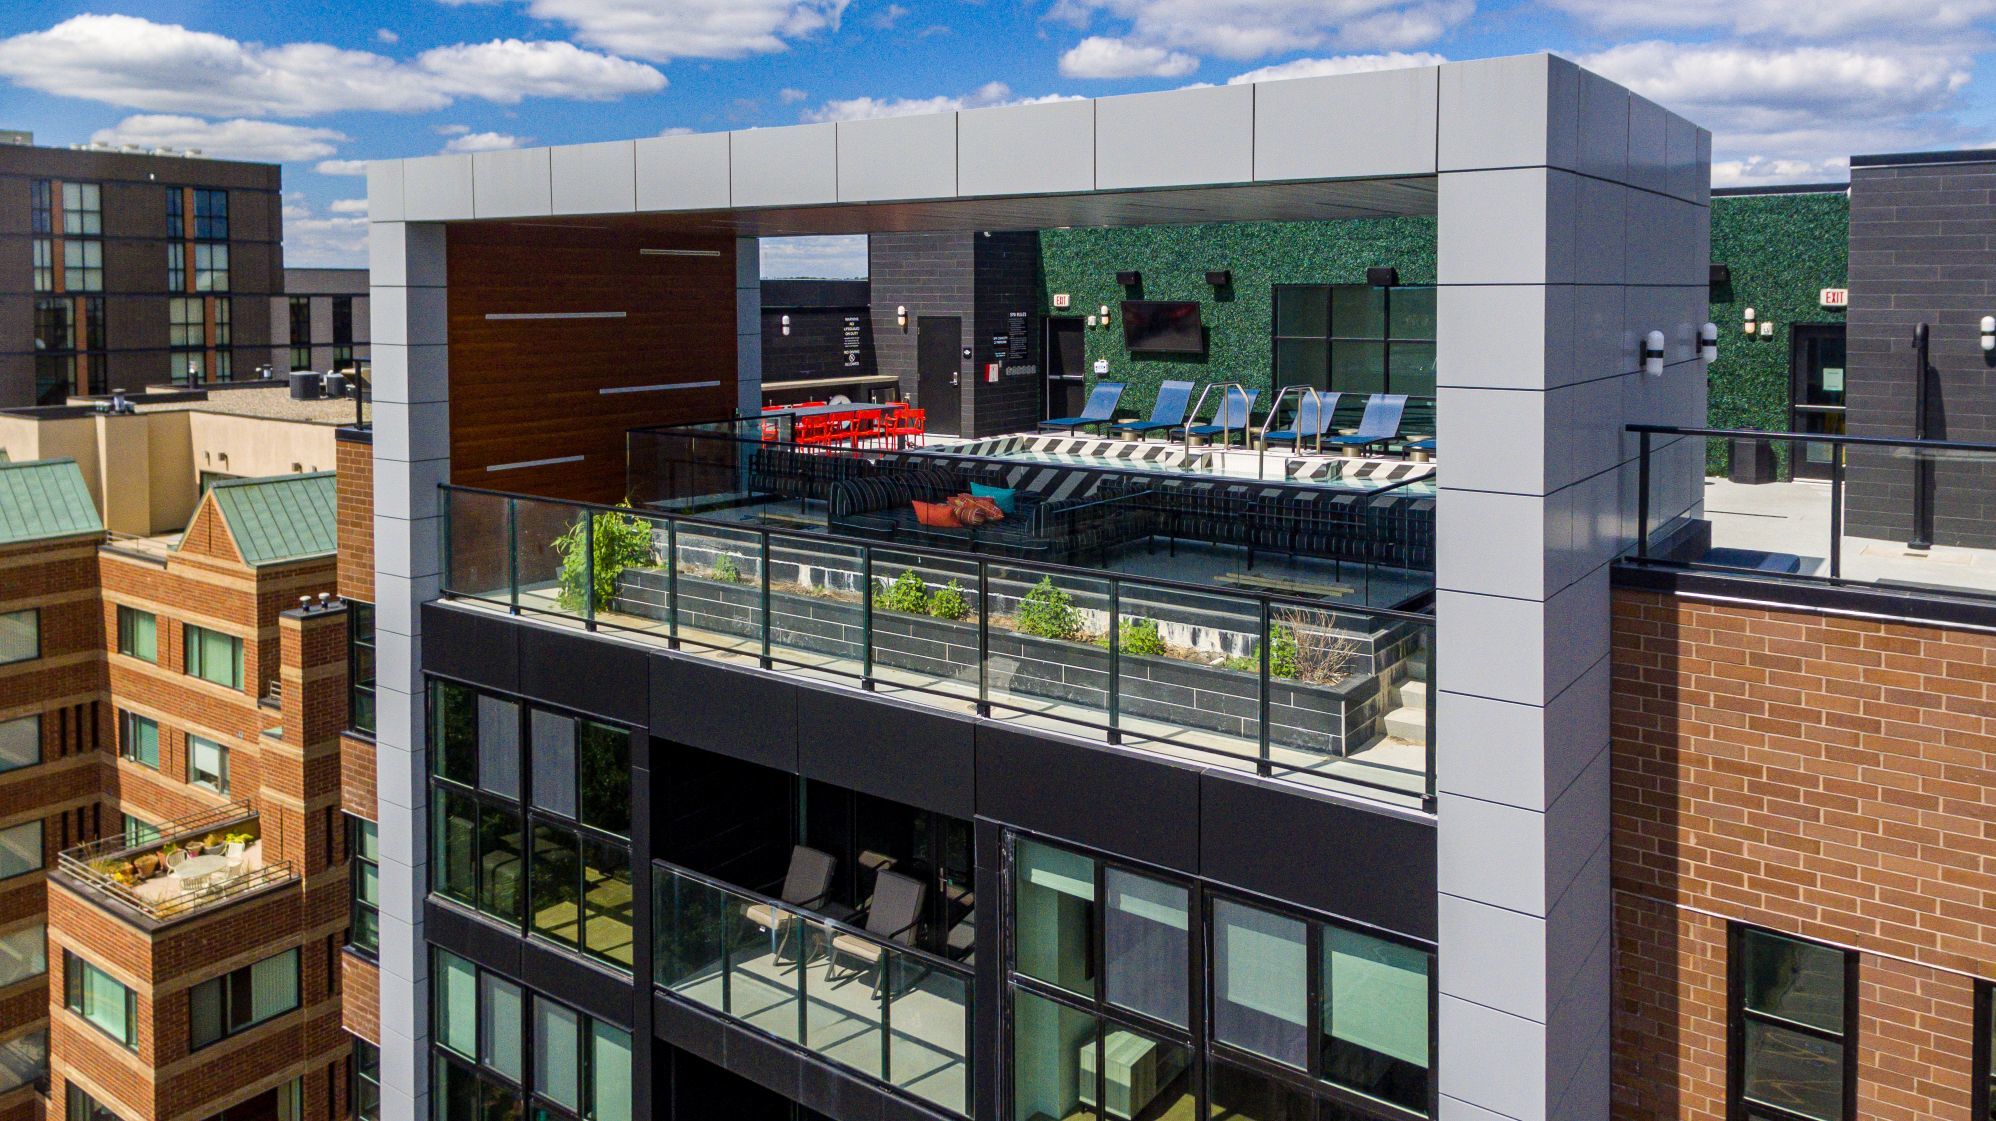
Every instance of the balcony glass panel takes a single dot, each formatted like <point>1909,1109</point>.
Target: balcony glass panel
<point>1145,945</point>
<point>1045,628</point>
<point>1053,1059</point>
<point>1261,982</point>
<point>1054,892</point>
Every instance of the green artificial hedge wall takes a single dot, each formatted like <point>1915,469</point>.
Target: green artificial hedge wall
<point>1174,261</point>
<point>1782,250</point>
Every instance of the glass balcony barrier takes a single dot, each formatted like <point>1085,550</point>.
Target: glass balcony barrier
<point>1915,515</point>
<point>1328,694</point>
<point>845,990</point>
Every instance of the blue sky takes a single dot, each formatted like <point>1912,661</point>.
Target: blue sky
<point>1788,88</point>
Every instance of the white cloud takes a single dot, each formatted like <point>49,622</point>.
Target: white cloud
<point>665,29</point>
<point>484,142</point>
<point>329,240</point>
<point>887,17</point>
<point>839,258</point>
<point>450,130</point>
<point>128,61</point>
<point>675,130</point>
<point>1243,29</point>
<point>1342,64</point>
<point>266,141</point>
<point>867,108</point>
<point>383,35</point>
<point>1101,57</point>
<point>1903,20</point>
<point>789,96</point>
<point>341,167</point>
<point>348,206</point>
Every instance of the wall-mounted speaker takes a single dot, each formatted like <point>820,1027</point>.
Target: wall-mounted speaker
<point>1220,278</point>
<point>1129,279</point>
<point>1383,277</point>
<point>1722,275</point>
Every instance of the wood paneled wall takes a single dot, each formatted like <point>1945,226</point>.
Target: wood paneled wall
<point>533,389</point>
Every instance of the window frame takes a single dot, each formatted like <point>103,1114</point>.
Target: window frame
<point>1389,344</point>
<point>1738,1107</point>
<point>1985,1051</point>
<point>89,1108</point>
<point>361,618</point>
<point>189,658</point>
<point>228,982</point>
<point>41,847</point>
<point>34,613</point>
<point>40,930</point>
<point>358,863</point>
<point>366,1073</point>
<point>41,751</point>
<point>75,969</point>
<point>128,722</point>
<point>220,783</point>
<point>524,1089</point>
<point>128,625</point>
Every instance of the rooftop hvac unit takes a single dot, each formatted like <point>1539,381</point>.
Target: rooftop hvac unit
<point>336,384</point>
<point>307,385</point>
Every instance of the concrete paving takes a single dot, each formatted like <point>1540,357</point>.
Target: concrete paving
<point>1794,518</point>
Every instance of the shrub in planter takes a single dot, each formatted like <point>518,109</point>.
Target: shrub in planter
<point>907,594</point>
<point>1141,637</point>
<point>948,603</point>
<point>1048,612</point>
<point>621,542</point>
<point>726,570</point>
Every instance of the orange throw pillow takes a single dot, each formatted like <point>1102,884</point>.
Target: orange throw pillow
<point>968,511</point>
<point>991,511</point>
<point>935,515</point>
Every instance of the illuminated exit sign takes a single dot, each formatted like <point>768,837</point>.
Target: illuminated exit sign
<point>1836,297</point>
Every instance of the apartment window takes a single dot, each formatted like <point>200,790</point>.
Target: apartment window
<point>176,213</point>
<point>1794,1019</point>
<point>211,214</point>
<point>41,199</point>
<point>138,738</point>
<point>100,999</point>
<point>214,656</point>
<point>20,742</point>
<point>241,999</point>
<point>360,667</point>
<point>83,1107</point>
<point>211,267</point>
<point>1354,338</point>
<point>23,954</point>
<point>186,322</point>
<point>343,321</point>
<point>55,325</point>
<point>82,210</point>
<point>1985,1051</point>
<point>208,764</point>
<point>24,1059</point>
<point>301,321</point>
<point>176,267</point>
<point>20,849</point>
<point>572,883</point>
<point>82,266</point>
<point>20,636</point>
<point>137,831</point>
<point>138,633</point>
<point>364,858</point>
<point>366,1091</point>
<point>576,1066</point>
<point>42,254</point>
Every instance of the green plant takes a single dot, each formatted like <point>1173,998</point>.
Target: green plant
<point>1141,637</point>
<point>948,602</point>
<point>621,542</point>
<point>907,594</point>
<point>1281,650</point>
<point>1048,612</point>
<point>726,570</point>
<point>1315,652</point>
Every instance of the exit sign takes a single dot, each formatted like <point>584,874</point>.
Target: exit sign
<point>1061,299</point>
<point>1836,297</point>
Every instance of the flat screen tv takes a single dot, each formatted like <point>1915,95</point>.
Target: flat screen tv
<point>1163,327</point>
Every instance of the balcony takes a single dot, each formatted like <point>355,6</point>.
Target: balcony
<point>1303,687</point>
<point>195,863</point>
<point>873,1004</point>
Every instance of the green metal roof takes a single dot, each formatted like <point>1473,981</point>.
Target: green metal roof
<point>281,518</point>
<point>44,498</point>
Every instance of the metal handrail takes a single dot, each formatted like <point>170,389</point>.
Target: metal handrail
<point>1815,438</point>
<point>170,831</point>
<point>1307,393</point>
<point>183,903</point>
<point>1225,387</point>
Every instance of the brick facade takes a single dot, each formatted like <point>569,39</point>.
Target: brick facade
<point>1831,778</point>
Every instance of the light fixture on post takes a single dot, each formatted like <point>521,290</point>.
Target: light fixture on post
<point>786,324</point>
<point>1988,333</point>
<point>1750,328</point>
<point>1653,354</point>
<point>1708,343</point>
<point>901,317</point>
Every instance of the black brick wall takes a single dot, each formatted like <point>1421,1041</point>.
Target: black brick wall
<point>977,277</point>
<point>1922,249</point>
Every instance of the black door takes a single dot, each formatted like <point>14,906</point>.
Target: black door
<point>1067,368</point>
<point>939,372</point>
<point>1816,392</point>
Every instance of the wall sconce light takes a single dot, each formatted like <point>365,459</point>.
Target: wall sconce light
<point>1220,278</point>
<point>1750,328</point>
<point>1653,354</point>
<point>1091,321</point>
<point>1129,279</point>
<point>1383,276</point>
<point>1102,314</point>
<point>786,324</point>
<point>1988,333</point>
<point>1766,329</point>
<point>901,317</point>
<point>1708,343</point>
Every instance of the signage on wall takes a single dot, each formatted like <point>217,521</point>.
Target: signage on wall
<point>849,338</point>
<point>1835,297</point>
<point>1017,346</point>
<point>1101,366</point>
<point>1062,299</point>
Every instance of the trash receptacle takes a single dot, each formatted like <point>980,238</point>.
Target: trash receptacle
<point>1753,461</point>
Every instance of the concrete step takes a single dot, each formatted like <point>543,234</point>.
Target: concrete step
<point>1408,724</point>
<point>1413,694</point>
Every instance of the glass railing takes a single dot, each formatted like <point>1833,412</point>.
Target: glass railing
<point>1323,693</point>
<point>1356,528</point>
<point>870,1003</point>
<point>1854,510</point>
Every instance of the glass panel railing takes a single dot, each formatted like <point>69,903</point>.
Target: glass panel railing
<point>817,603</point>
<point>926,613</point>
<point>718,587</point>
<point>869,1003</point>
<point>477,544</point>
<point>1349,699</point>
<point>1048,649</point>
<point>1887,512</point>
<point>1188,667</point>
<point>550,557</point>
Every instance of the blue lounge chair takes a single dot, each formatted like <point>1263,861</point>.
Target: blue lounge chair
<point>1312,420</point>
<point>1101,408</point>
<point>1380,423</point>
<point>1235,406</point>
<point>1173,398</point>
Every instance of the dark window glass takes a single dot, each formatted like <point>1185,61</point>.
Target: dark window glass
<point>241,999</point>
<point>366,1081</point>
<point>83,1107</point>
<point>1261,986</point>
<point>360,667</point>
<point>1358,311</point>
<point>364,858</point>
<point>454,732</point>
<point>1238,1094</point>
<point>211,215</point>
<point>557,879</point>
<point>1053,894</point>
<point>1790,1000</point>
<point>1985,1049</point>
<point>176,212</point>
<point>1144,945</point>
<point>499,862</point>
<point>606,776</point>
<point>606,885</point>
<point>1374,1015</point>
<point>342,320</point>
<point>455,838</point>
<point>41,203</point>
<point>1048,1041</point>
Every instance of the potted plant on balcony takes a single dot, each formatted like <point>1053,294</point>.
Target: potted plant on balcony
<point>620,542</point>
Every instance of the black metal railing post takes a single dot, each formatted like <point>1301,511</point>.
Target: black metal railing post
<point>866,617</point>
<point>1836,511</point>
<point>1923,475</point>
<point>1263,765</point>
<point>1642,494</point>
<point>1115,732</point>
<point>672,584</point>
<point>983,638</point>
<point>767,623</point>
<point>1429,801</point>
<point>513,553</point>
<point>588,570</point>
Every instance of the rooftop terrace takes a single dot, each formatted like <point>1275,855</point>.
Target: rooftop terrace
<point>180,868</point>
